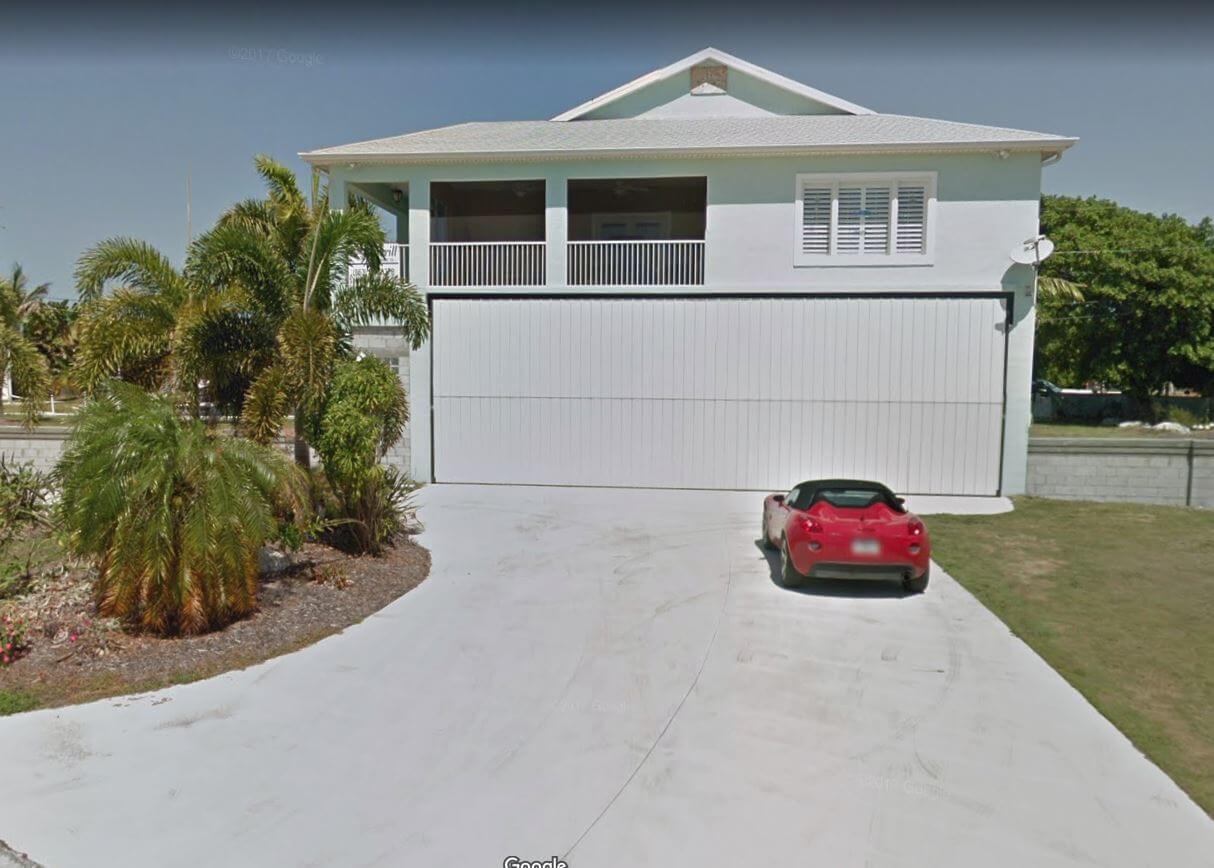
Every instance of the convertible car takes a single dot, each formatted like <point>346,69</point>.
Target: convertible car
<point>846,529</point>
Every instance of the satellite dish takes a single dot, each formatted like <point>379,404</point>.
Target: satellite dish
<point>1034,251</point>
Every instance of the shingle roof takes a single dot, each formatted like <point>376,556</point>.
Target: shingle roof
<point>658,136</point>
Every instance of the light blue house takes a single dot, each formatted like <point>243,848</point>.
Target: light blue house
<point>714,277</point>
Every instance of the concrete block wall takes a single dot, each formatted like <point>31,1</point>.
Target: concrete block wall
<point>41,447</point>
<point>385,342</point>
<point>1165,472</point>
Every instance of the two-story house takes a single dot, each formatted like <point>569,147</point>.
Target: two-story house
<point>714,277</point>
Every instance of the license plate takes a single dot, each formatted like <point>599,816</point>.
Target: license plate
<point>865,547</point>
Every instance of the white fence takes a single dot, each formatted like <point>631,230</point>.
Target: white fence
<point>636,263</point>
<point>487,263</point>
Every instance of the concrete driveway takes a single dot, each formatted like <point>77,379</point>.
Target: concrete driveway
<point>613,677</point>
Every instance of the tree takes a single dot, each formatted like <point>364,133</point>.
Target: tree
<point>172,514</point>
<point>20,362</point>
<point>1147,312</point>
<point>364,414</point>
<point>296,251</point>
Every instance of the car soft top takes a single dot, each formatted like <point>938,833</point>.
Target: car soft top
<point>811,490</point>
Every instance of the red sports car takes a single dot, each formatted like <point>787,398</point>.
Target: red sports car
<point>846,529</point>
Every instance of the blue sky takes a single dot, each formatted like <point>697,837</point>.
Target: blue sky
<point>105,117</point>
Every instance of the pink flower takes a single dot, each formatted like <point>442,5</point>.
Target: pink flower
<point>73,637</point>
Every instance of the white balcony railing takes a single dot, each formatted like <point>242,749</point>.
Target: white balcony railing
<point>636,263</point>
<point>395,260</point>
<point>487,263</point>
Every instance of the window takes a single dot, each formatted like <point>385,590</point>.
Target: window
<point>878,219</point>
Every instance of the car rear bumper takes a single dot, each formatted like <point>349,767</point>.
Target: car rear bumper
<point>828,570</point>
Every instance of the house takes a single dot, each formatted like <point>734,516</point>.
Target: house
<point>713,277</point>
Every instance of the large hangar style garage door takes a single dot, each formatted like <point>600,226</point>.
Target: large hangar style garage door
<point>733,393</point>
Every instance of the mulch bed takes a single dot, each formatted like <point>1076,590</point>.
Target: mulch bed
<point>74,656</point>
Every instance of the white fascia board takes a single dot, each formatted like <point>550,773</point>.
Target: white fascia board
<point>1044,146</point>
<point>727,59</point>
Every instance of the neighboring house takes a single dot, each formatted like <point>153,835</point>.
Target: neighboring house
<point>714,277</point>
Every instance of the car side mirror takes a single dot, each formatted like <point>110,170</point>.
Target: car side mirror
<point>779,498</point>
<point>901,501</point>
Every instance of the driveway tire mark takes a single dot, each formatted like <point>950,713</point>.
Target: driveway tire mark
<point>716,629</point>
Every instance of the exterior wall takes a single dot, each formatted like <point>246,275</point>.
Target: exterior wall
<point>1166,472</point>
<point>386,343</point>
<point>41,447</point>
<point>985,205</point>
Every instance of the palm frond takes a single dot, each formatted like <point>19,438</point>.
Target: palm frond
<point>172,515</point>
<point>380,297</point>
<point>135,263</point>
<point>1059,289</point>
<point>128,335</point>
<point>266,406</point>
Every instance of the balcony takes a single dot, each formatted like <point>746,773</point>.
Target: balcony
<point>487,263</point>
<point>487,233</point>
<point>636,263</point>
<point>637,232</point>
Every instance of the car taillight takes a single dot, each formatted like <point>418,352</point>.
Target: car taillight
<point>916,528</point>
<point>810,525</point>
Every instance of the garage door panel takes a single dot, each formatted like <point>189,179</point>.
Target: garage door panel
<point>737,393</point>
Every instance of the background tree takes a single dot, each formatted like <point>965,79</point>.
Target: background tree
<point>21,365</point>
<point>1146,317</point>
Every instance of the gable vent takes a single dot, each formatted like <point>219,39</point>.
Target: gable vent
<point>709,79</point>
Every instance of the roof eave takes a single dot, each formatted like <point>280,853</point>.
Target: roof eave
<point>1042,146</point>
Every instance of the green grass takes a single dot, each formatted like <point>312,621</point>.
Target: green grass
<point>1119,598</point>
<point>1053,430</point>
<point>16,701</point>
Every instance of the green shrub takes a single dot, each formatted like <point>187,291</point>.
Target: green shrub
<point>364,415</point>
<point>24,498</point>
<point>172,514</point>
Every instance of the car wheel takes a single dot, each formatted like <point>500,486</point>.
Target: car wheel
<point>766,540</point>
<point>788,577</point>
<point>919,585</point>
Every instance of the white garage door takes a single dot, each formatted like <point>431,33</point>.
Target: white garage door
<point>720,393</point>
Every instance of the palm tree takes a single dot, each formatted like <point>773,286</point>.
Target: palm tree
<point>292,254</point>
<point>20,361</point>
<point>172,514</point>
<point>260,312</point>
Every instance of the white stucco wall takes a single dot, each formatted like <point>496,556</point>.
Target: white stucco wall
<point>985,204</point>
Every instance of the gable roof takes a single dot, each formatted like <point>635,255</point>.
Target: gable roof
<point>724,58</point>
<point>667,137</point>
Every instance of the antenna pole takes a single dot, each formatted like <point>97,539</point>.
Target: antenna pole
<point>189,228</point>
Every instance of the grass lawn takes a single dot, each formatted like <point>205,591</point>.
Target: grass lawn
<point>1119,598</point>
<point>1042,429</point>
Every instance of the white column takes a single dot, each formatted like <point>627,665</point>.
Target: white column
<point>1018,413</point>
<point>419,360</point>
<point>556,229</point>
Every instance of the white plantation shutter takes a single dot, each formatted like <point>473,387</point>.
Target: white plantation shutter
<point>815,219</point>
<point>849,233</point>
<point>876,220</point>
<point>911,233</point>
<point>864,216</point>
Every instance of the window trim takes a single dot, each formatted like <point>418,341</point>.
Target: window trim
<point>850,260</point>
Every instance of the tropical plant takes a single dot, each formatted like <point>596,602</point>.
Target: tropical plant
<point>296,251</point>
<point>21,365</point>
<point>49,328</point>
<point>25,495</point>
<point>1146,316</point>
<point>364,414</point>
<point>161,330</point>
<point>261,312</point>
<point>171,513</point>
